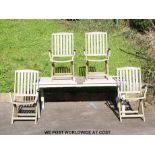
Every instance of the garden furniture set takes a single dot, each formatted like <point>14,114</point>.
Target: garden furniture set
<point>27,83</point>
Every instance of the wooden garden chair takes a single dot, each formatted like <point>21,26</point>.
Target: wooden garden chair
<point>96,50</point>
<point>25,95</point>
<point>62,52</point>
<point>130,89</point>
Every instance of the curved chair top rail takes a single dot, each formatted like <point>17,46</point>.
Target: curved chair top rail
<point>96,43</point>
<point>27,70</point>
<point>96,32</point>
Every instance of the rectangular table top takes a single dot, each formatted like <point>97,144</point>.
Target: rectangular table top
<point>48,82</point>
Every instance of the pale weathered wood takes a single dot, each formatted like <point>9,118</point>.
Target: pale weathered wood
<point>62,44</point>
<point>96,43</point>
<point>62,51</point>
<point>130,89</point>
<point>96,46</point>
<point>47,82</point>
<point>25,94</point>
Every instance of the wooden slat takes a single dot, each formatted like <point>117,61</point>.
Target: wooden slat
<point>72,43</point>
<point>127,81</point>
<point>94,46</point>
<point>64,52</point>
<point>129,89</point>
<point>121,81</point>
<point>16,88</point>
<point>96,43</point>
<point>28,83</point>
<point>17,78</point>
<point>67,43</point>
<point>89,42</point>
<point>125,88</point>
<point>137,81</point>
<point>54,45</point>
<point>57,45</point>
<point>21,83</point>
<point>34,84</point>
<point>101,44</point>
<point>130,79</point>
<point>62,44</point>
<point>140,84</point>
<point>133,79</point>
<point>24,84</point>
<point>31,87</point>
<point>106,43</point>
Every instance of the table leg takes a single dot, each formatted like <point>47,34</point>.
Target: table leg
<point>123,109</point>
<point>38,106</point>
<point>42,99</point>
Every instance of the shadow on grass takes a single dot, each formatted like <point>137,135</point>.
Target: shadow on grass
<point>82,70</point>
<point>134,54</point>
<point>62,70</point>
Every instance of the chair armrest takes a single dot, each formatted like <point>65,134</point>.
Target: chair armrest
<point>74,52</point>
<point>108,53</point>
<point>121,96</point>
<point>37,96</point>
<point>11,99</point>
<point>144,91</point>
<point>84,52</point>
<point>50,53</point>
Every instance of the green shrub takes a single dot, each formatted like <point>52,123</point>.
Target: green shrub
<point>149,72</point>
<point>141,24</point>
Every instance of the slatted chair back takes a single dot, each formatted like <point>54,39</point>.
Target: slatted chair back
<point>96,43</point>
<point>129,80</point>
<point>62,44</point>
<point>26,84</point>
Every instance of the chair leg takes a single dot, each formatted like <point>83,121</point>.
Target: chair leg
<point>36,116</point>
<point>72,68</point>
<point>42,99</point>
<point>107,67</point>
<point>119,110</point>
<point>38,109</point>
<point>87,69</point>
<point>53,69</point>
<point>13,111</point>
<point>142,105</point>
<point>141,109</point>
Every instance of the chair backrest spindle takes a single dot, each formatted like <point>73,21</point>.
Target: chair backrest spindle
<point>96,43</point>
<point>26,83</point>
<point>129,79</point>
<point>62,44</point>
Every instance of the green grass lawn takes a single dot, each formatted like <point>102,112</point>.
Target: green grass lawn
<point>24,44</point>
